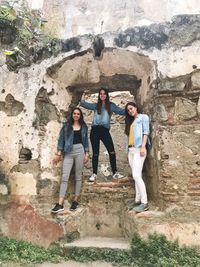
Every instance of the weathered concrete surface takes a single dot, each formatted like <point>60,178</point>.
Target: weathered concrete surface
<point>101,198</point>
<point>46,102</point>
<point>100,242</point>
<point>158,64</point>
<point>187,233</point>
<point>75,18</point>
<point>21,221</point>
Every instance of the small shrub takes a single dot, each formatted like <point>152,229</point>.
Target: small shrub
<point>21,251</point>
<point>157,251</point>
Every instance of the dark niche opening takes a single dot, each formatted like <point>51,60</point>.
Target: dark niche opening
<point>98,46</point>
<point>25,155</point>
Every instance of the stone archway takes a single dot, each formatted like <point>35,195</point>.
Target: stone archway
<point>126,73</point>
<point>119,70</point>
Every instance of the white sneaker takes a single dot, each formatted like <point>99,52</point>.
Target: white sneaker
<point>93,177</point>
<point>117,175</point>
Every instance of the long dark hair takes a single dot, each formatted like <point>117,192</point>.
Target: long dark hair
<point>129,119</point>
<point>107,102</point>
<point>71,120</point>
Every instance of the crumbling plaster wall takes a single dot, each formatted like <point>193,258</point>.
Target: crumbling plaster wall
<point>71,18</point>
<point>45,100</point>
<point>29,129</point>
<point>164,56</point>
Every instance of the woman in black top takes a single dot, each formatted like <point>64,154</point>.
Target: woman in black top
<point>73,144</point>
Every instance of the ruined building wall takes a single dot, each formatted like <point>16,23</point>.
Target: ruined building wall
<point>67,19</point>
<point>165,56</point>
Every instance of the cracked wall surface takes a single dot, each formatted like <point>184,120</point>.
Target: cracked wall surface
<point>70,19</point>
<point>49,89</point>
<point>155,64</point>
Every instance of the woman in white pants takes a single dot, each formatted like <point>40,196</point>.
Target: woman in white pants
<point>137,131</point>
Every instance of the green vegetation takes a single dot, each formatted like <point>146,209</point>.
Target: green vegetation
<point>27,30</point>
<point>156,251</point>
<point>160,252</point>
<point>24,252</point>
<point>28,24</point>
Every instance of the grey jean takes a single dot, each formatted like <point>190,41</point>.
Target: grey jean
<point>75,156</point>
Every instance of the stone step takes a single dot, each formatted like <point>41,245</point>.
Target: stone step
<point>120,183</point>
<point>115,189</point>
<point>99,242</point>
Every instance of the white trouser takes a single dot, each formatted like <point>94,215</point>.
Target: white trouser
<point>136,162</point>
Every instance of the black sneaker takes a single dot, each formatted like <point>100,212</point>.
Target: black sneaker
<point>57,208</point>
<point>74,205</point>
<point>133,204</point>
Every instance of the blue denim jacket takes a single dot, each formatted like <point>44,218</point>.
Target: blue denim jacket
<point>65,144</point>
<point>141,127</point>
<point>102,119</point>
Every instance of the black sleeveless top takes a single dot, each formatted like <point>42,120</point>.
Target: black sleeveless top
<point>77,137</point>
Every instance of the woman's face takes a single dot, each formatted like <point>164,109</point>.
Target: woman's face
<point>132,111</point>
<point>76,115</point>
<point>102,95</point>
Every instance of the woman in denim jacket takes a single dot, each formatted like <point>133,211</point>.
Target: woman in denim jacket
<point>73,144</point>
<point>137,131</point>
<point>103,110</point>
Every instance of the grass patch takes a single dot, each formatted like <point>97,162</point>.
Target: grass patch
<point>23,252</point>
<point>159,252</point>
<point>156,251</point>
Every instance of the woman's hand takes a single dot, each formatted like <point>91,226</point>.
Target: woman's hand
<point>56,159</point>
<point>86,158</point>
<point>83,97</point>
<point>143,151</point>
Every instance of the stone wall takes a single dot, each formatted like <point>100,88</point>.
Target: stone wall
<point>155,64</point>
<point>67,19</point>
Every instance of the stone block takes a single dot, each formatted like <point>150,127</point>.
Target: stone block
<point>21,221</point>
<point>195,80</point>
<point>169,86</point>
<point>184,109</point>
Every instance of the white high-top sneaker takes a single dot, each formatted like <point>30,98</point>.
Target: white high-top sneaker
<point>93,177</point>
<point>118,175</point>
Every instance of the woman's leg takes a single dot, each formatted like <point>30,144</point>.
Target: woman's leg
<point>137,192</point>
<point>108,143</point>
<point>95,142</point>
<point>79,157</point>
<point>136,162</point>
<point>67,166</point>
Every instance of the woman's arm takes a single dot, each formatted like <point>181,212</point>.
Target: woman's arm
<point>87,105</point>
<point>143,147</point>
<point>61,139</point>
<point>86,143</point>
<point>145,131</point>
<point>145,124</point>
<point>60,147</point>
<point>86,147</point>
<point>117,110</point>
